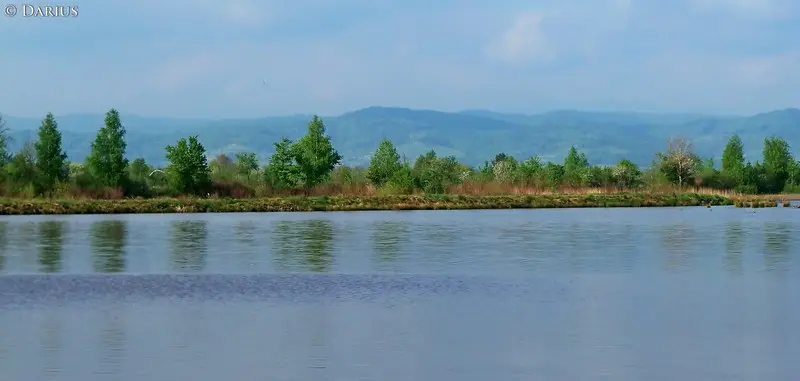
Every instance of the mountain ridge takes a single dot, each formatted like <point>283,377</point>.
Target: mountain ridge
<point>473,136</point>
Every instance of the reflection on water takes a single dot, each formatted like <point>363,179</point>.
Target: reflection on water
<point>678,240</point>
<point>113,342</point>
<point>303,245</point>
<point>3,244</point>
<point>622,294</point>
<point>252,242</point>
<point>734,246</point>
<point>51,342</point>
<point>388,239</point>
<point>318,238</point>
<point>777,237</point>
<point>189,245</point>
<point>51,242</point>
<point>439,242</point>
<point>108,245</point>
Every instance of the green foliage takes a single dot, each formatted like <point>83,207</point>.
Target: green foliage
<point>433,174</point>
<point>575,165</point>
<point>281,171</point>
<point>138,177</point>
<point>402,180</point>
<point>246,163</point>
<point>188,168</point>
<point>679,163</point>
<point>778,162</point>
<point>107,162</point>
<point>51,161</point>
<point>223,166</point>
<point>531,167</point>
<point>312,162</point>
<point>504,168</point>
<point>626,174</point>
<point>733,158</point>
<point>384,163</point>
<point>554,174</point>
<point>314,154</point>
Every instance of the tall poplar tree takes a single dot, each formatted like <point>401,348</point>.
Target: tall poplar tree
<point>315,155</point>
<point>51,160</point>
<point>107,162</point>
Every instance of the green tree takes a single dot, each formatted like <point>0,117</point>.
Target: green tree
<point>315,155</point>
<point>575,165</point>
<point>222,166</point>
<point>402,180</point>
<point>246,163</point>
<point>679,163</point>
<point>554,174</point>
<point>138,176</point>
<point>384,163</point>
<point>777,163</point>
<point>433,174</point>
<point>106,161</point>
<point>530,169</point>
<point>626,174</point>
<point>733,158</point>
<point>504,168</point>
<point>188,167</point>
<point>51,161</point>
<point>22,167</point>
<point>281,170</point>
<point>138,169</point>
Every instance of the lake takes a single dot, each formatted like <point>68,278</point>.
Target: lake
<point>557,294</point>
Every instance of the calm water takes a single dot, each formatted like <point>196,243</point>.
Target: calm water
<point>591,294</point>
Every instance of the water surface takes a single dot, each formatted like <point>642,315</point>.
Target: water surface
<point>571,294</point>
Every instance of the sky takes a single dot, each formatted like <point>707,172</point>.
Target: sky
<point>248,58</point>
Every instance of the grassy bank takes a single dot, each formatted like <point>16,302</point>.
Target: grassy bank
<point>350,203</point>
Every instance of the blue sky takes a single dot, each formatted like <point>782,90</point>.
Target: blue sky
<point>210,58</point>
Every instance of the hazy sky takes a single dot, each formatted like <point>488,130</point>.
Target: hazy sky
<point>210,58</point>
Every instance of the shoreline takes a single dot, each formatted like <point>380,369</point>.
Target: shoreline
<point>370,203</point>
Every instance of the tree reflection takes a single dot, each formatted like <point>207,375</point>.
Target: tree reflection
<point>51,243</point>
<point>189,245</point>
<point>317,236</point>
<point>246,233</point>
<point>3,244</point>
<point>679,242</point>
<point>777,237</point>
<point>109,239</point>
<point>734,245</point>
<point>113,341</point>
<point>51,343</point>
<point>388,238</point>
<point>303,245</point>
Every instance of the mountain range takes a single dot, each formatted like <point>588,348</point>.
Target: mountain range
<point>473,136</point>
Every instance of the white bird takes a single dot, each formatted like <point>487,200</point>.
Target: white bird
<point>154,171</point>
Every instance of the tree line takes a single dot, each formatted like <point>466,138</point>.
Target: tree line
<point>311,165</point>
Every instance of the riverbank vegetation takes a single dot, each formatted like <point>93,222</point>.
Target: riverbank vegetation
<point>311,166</point>
<point>353,203</point>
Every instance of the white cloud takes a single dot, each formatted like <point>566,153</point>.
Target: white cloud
<point>246,13</point>
<point>181,72</point>
<point>746,8</point>
<point>210,59</point>
<point>767,71</point>
<point>522,41</point>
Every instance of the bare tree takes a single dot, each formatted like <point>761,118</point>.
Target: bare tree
<point>4,140</point>
<point>679,162</point>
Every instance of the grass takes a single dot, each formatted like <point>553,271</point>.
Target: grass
<point>359,203</point>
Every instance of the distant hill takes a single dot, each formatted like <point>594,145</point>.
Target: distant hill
<point>472,136</point>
